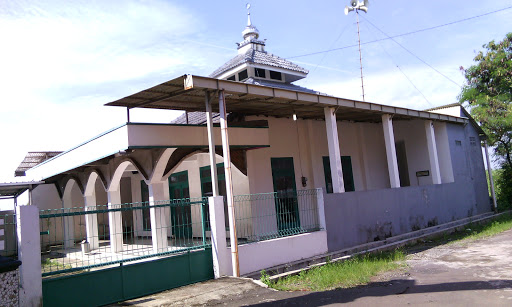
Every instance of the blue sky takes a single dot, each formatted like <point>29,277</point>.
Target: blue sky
<point>62,60</point>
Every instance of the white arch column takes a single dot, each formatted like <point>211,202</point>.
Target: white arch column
<point>69,227</point>
<point>91,222</point>
<point>159,195</point>
<point>67,221</point>
<point>115,221</point>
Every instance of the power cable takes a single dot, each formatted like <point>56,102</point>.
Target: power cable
<point>335,41</point>
<point>400,69</point>
<point>414,55</point>
<point>404,34</point>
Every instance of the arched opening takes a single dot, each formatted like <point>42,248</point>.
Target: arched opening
<point>189,176</point>
<point>96,198</point>
<point>74,225</point>
<point>128,190</point>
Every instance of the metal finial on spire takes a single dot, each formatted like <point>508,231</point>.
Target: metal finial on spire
<point>250,31</point>
<point>248,6</point>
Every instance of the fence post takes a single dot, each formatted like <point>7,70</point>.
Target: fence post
<point>29,253</point>
<point>321,209</point>
<point>221,264</point>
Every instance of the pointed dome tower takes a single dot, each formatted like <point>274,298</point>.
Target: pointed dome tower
<point>254,65</point>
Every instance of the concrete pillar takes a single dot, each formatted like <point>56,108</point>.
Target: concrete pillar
<point>159,195</point>
<point>432,152</point>
<point>229,185</point>
<point>211,145</point>
<point>389,141</point>
<point>67,221</point>
<point>29,253</point>
<point>115,222</point>
<point>91,222</point>
<point>491,180</point>
<point>219,247</point>
<point>321,208</point>
<point>334,150</point>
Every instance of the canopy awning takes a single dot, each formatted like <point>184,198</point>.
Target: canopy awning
<point>187,93</point>
<point>14,189</point>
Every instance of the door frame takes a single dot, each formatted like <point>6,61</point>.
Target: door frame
<point>295,206</point>
<point>177,230</point>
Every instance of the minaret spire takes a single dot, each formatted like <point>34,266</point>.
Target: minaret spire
<point>250,35</point>
<point>248,6</point>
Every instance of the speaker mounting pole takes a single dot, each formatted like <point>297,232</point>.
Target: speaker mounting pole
<point>356,5</point>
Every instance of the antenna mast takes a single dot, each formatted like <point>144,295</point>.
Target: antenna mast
<point>357,6</point>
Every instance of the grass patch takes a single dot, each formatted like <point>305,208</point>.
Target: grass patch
<point>50,265</point>
<point>353,272</point>
<point>360,269</point>
<point>473,232</point>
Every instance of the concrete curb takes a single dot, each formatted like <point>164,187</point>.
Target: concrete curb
<point>296,267</point>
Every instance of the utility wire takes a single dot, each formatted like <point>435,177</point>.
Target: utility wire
<point>325,54</point>
<point>414,55</point>
<point>333,43</point>
<point>400,69</point>
<point>404,34</point>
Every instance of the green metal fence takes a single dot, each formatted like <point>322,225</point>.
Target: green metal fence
<point>84,238</point>
<point>267,216</point>
<point>8,234</point>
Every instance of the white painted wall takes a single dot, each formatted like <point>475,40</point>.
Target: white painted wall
<point>413,134</point>
<point>192,165</point>
<point>45,196</point>
<point>443,152</point>
<point>369,164</point>
<point>170,135</point>
<point>265,254</point>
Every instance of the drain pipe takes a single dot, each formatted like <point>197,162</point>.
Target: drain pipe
<point>491,181</point>
<point>229,185</point>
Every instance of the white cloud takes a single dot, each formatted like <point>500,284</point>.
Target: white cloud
<point>58,60</point>
<point>393,88</point>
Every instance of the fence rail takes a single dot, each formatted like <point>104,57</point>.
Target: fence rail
<point>268,216</point>
<point>83,238</point>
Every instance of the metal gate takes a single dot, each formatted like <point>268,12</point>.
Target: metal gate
<point>99,255</point>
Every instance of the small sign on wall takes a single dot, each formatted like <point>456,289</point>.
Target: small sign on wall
<point>424,173</point>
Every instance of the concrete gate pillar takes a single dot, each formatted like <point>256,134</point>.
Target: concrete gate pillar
<point>29,253</point>
<point>220,252</point>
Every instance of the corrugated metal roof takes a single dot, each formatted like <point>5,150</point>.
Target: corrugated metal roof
<point>258,57</point>
<point>281,85</point>
<point>14,189</point>
<point>187,93</point>
<point>195,118</point>
<point>32,159</point>
<point>446,106</point>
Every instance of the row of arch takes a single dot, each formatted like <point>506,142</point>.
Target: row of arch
<point>94,187</point>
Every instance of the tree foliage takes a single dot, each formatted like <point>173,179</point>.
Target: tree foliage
<point>503,187</point>
<point>489,94</point>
